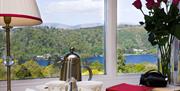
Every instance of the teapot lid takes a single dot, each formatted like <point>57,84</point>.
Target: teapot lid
<point>71,55</point>
<point>72,49</point>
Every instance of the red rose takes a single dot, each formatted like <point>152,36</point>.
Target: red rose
<point>175,2</point>
<point>150,4</point>
<point>137,4</point>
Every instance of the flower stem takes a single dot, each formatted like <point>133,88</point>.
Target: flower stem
<point>142,12</point>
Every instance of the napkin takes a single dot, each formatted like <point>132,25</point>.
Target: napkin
<point>128,87</point>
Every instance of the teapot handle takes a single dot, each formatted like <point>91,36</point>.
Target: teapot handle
<point>90,72</point>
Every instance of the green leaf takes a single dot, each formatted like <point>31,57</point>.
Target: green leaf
<point>163,41</point>
<point>149,23</point>
<point>152,39</point>
<point>141,23</point>
<point>174,11</point>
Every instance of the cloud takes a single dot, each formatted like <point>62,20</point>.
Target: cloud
<point>76,6</point>
<point>127,13</point>
<point>72,12</point>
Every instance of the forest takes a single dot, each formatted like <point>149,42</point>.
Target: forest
<point>28,43</point>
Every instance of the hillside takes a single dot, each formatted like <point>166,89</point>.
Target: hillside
<point>132,37</point>
<point>50,43</point>
<point>64,26</point>
<point>32,41</point>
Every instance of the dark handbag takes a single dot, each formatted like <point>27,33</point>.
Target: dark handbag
<point>153,78</point>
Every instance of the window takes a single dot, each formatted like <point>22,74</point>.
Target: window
<point>67,23</point>
<point>134,51</point>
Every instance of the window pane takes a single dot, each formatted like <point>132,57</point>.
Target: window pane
<point>134,51</point>
<point>66,23</point>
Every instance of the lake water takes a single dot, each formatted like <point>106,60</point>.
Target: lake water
<point>141,58</point>
<point>130,58</point>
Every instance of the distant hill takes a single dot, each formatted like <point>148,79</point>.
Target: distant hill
<point>64,26</point>
<point>127,26</point>
<point>56,25</point>
<point>31,41</point>
<point>87,25</point>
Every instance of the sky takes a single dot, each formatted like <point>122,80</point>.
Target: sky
<point>74,12</point>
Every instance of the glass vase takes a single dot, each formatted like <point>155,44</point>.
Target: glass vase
<point>164,60</point>
<point>175,63</point>
<point>164,66</point>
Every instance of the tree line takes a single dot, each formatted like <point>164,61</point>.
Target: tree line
<point>29,42</point>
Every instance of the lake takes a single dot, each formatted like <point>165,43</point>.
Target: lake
<point>141,58</point>
<point>129,58</point>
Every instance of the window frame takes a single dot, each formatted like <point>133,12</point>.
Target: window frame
<point>110,37</point>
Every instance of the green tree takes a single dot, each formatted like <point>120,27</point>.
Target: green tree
<point>96,65</point>
<point>34,68</point>
<point>1,42</point>
<point>49,70</point>
<point>2,70</point>
<point>137,68</point>
<point>23,72</point>
<point>120,61</point>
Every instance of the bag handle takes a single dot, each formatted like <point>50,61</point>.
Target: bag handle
<point>154,71</point>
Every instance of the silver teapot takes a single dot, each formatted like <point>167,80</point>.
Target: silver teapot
<point>70,66</point>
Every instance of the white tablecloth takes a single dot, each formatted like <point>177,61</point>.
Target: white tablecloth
<point>82,86</point>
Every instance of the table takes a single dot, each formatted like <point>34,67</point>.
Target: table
<point>168,88</point>
<point>61,86</point>
<point>129,87</point>
<point>56,85</point>
<point>89,85</point>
